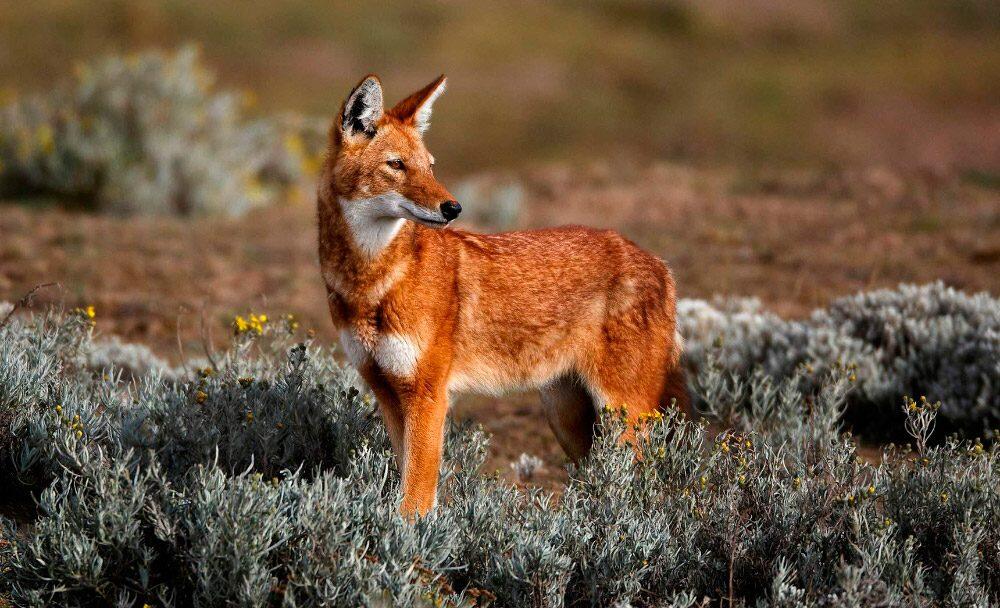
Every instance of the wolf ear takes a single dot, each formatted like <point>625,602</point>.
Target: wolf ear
<point>416,109</point>
<point>363,108</point>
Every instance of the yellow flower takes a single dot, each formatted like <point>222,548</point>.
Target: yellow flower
<point>311,163</point>
<point>249,416</point>
<point>742,479</point>
<point>944,497</point>
<point>887,522</point>
<point>79,434</point>
<point>87,312</point>
<point>796,482</point>
<point>871,490</point>
<point>661,453</point>
<point>254,188</point>
<point>46,141</point>
<point>58,408</point>
<point>255,324</point>
<point>294,144</point>
<point>704,481</point>
<point>200,396</point>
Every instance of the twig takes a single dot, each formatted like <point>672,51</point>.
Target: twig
<point>180,343</point>
<point>732,558</point>
<point>206,340</point>
<point>24,302</point>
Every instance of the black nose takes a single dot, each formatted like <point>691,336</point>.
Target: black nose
<point>450,210</point>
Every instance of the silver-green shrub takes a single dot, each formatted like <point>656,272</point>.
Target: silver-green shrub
<point>148,134</point>
<point>928,340</point>
<point>268,481</point>
<point>134,360</point>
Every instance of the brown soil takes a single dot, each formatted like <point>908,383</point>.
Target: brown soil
<point>793,240</point>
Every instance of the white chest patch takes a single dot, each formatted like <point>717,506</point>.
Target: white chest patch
<point>355,350</point>
<point>397,355</point>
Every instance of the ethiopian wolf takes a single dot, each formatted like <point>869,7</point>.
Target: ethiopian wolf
<point>583,315</point>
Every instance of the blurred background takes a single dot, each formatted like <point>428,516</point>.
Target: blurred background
<point>157,158</point>
<point>797,82</point>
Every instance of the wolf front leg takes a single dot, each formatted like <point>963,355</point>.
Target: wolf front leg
<point>389,408</point>
<point>424,414</point>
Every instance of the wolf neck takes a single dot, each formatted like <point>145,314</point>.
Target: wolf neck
<point>362,255</point>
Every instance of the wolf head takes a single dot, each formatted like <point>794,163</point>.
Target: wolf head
<point>380,168</point>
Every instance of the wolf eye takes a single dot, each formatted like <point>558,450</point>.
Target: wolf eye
<point>396,164</point>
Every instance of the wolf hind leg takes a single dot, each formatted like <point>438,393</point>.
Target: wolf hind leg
<point>571,414</point>
<point>630,382</point>
<point>675,392</point>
